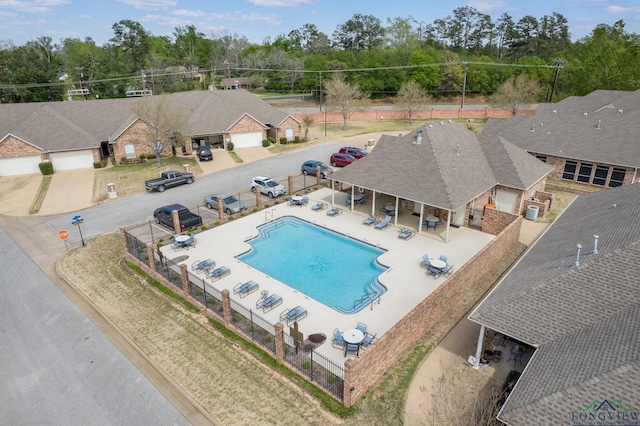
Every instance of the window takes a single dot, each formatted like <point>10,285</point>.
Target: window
<point>617,177</point>
<point>584,174</point>
<point>130,151</point>
<point>600,177</point>
<point>542,158</point>
<point>569,170</point>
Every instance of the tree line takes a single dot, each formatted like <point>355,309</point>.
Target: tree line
<point>466,51</point>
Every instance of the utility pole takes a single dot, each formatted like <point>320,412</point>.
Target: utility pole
<point>464,83</point>
<point>559,62</point>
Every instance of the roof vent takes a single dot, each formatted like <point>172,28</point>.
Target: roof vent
<point>577,262</point>
<point>431,126</point>
<point>533,128</point>
<point>418,137</point>
<point>442,123</point>
<point>450,121</point>
<point>541,124</point>
<point>595,244</point>
<point>555,111</point>
<point>585,114</point>
<point>613,206</point>
<point>598,125</point>
<point>458,150</point>
<point>620,111</point>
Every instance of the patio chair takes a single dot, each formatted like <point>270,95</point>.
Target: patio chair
<point>347,202</point>
<point>426,262</point>
<point>434,271</point>
<point>203,265</point>
<point>244,289</point>
<point>319,206</point>
<point>352,348</point>
<point>362,327</point>
<point>368,339</point>
<point>447,270</point>
<point>370,220</point>
<point>384,223</point>
<point>406,234</point>
<point>292,315</point>
<point>216,274</point>
<point>269,302</point>
<point>338,339</point>
<point>444,258</point>
<point>191,242</point>
<point>334,211</point>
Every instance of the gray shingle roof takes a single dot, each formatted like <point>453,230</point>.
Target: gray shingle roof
<point>595,128</point>
<point>450,167</point>
<point>55,126</point>
<point>585,320</point>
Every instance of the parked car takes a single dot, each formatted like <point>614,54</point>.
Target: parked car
<point>341,160</point>
<point>358,153</point>
<point>204,153</point>
<point>267,186</point>
<point>309,168</point>
<point>164,216</point>
<point>230,204</point>
<point>167,180</point>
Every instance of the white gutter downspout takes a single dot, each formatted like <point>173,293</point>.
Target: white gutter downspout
<point>635,171</point>
<point>333,192</point>
<point>476,363</point>
<point>421,218</point>
<point>395,219</point>
<point>446,234</point>
<point>373,203</point>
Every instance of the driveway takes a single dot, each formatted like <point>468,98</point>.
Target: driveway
<point>17,194</point>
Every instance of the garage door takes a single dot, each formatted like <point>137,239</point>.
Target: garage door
<point>246,140</point>
<point>72,160</point>
<point>19,165</point>
<point>506,201</point>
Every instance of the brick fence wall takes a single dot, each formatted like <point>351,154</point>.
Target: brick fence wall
<point>364,372</point>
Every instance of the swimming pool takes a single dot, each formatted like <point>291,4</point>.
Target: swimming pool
<point>330,267</point>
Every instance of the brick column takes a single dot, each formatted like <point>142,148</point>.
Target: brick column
<point>220,210</point>
<point>152,258</point>
<point>226,306</point>
<point>346,391</point>
<point>176,221</point>
<point>184,279</point>
<point>318,176</point>
<point>258,198</point>
<point>279,341</point>
<point>290,184</point>
<point>123,238</point>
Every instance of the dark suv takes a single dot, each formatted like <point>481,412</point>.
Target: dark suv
<point>204,153</point>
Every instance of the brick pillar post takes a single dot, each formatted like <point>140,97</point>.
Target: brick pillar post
<point>279,341</point>
<point>152,258</point>
<point>290,184</point>
<point>258,198</point>
<point>123,238</point>
<point>348,385</point>
<point>318,176</point>
<point>176,221</point>
<point>185,280</point>
<point>226,306</point>
<point>220,210</point>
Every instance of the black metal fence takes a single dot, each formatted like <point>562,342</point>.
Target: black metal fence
<point>312,365</point>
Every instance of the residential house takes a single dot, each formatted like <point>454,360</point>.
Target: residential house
<point>589,140</point>
<point>447,170</point>
<point>574,299</point>
<point>78,133</point>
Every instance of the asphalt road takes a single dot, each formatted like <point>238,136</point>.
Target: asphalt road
<point>108,217</point>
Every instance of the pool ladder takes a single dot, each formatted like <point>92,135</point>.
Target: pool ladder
<point>369,297</point>
<point>271,215</point>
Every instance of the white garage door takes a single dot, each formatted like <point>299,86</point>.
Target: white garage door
<point>246,140</point>
<point>20,165</point>
<point>506,201</point>
<point>71,160</point>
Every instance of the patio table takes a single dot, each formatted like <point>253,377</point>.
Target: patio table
<point>353,335</point>
<point>437,263</point>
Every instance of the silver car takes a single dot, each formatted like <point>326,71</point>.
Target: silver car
<point>230,204</point>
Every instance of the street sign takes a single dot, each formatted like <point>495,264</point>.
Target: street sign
<point>77,220</point>
<point>63,234</point>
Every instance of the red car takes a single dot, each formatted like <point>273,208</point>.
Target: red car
<point>352,150</point>
<point>341,160</point>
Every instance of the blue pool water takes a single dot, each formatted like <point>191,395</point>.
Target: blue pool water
<point>332,268</point>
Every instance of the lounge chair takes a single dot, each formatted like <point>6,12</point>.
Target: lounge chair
<point>292,315</point>
<point>370,220</point>
<point>384,223</point>
<point>338,339</point>
<point>244,289</point>
<point>216,274</point>
<point>319,206</point>
<point>362,327</point>
<point>334,211</point>
<point>406,234</point>
<point>203,265</point>
<point>269,302</point>
<point>426,262</point>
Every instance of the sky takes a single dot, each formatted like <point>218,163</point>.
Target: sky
<point>25,20</point>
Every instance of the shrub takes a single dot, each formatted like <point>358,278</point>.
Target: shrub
<point>266,206</point>
<point>268,339</point>
<point>283,140</point>
<point>217,222</point>
<point>306,365</point>
<point>231,217</point>
<point>203,227</point>
<point>265,143</point>
<point>211,300</point>
<point>199,292</point>
<point>242,214</point>
<point>331,379</point>
<point>297,139</point>
<point>230,146</point>
<point>237,318</point>
<point>97,164</point>
<point>46,168</point>
<point>271,139</point>
<point>255,209</point>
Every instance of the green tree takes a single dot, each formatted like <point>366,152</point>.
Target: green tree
<point>133,40</point>
<point>359,33</point>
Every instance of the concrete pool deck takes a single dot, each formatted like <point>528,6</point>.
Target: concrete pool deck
<point>406,282</point>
